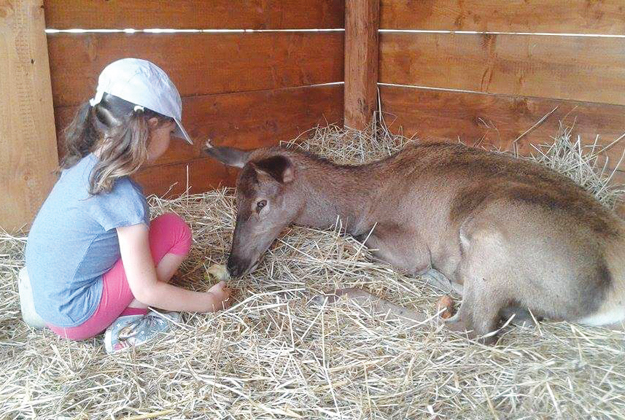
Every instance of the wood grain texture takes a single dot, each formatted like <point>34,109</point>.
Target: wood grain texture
<point>170,180</point>
<point>361,61</point>
<point>496,121</point>
<point>28,155</point>
<point>195,14</point>
<point>246,120</point>
<point>257,119</point>
<point>550,16</point>
<point>199,64</point>
<point>576,68</point>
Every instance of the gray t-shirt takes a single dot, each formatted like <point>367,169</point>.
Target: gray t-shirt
<point>73,242</point>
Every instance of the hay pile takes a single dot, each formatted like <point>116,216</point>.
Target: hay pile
<point>583,164</point>
<point>274,355</point>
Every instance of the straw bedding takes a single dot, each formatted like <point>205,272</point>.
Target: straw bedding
<point>277,355</point>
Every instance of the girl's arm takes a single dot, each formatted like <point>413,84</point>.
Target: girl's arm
<point>145,284</point>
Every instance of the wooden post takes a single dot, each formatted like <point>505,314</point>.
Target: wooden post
<point>362,18</point>
<point>28,151</point>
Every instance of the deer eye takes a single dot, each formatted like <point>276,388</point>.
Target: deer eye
<point>260,205</point>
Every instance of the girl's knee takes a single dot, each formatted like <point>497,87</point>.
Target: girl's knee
<point>174,226</point>
<point>168,219</point>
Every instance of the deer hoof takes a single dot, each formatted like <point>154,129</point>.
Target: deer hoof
<point>445,307</point>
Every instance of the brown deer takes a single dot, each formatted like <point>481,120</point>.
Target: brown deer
<point>509,234</point>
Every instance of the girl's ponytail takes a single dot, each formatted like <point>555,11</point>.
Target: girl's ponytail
<point>122,153</point>
<point>80,136</point>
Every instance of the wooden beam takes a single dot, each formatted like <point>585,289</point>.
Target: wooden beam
<point>361,61</point>
<point>579,68</point>
<point>199,64</point>
<point>500,121</point>
<point>551,16</point>
<point>195,14</point>
<point>28,155</point>
<point>195,176</point>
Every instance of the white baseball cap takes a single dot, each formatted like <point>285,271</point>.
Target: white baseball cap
<point>145,84</point>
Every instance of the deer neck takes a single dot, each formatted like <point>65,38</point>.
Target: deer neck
<point>331,194</point>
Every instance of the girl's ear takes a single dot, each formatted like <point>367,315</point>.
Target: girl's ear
<point>153,123</point>
<point>227,155</point>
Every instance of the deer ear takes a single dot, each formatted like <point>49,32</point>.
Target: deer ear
<point>278,167</point>
<point>228,155</point>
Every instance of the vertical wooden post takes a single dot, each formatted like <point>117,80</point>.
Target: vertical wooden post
<point>362,19</point>
<point>28,151</point>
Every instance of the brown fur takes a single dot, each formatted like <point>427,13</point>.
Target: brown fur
<point>507,232</point>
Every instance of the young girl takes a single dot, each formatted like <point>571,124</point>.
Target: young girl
<point>94,258</point>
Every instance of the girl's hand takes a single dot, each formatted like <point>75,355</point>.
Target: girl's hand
<point>219,297</point>
<point>145,285</point>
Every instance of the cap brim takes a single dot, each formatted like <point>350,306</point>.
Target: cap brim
<point>181,133</point>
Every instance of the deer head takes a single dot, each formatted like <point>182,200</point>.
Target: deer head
<point>265,202</point>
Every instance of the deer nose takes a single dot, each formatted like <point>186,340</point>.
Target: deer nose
<point>236,266</point>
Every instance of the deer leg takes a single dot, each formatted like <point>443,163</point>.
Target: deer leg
<point>439,281</point>
<point>378,305</point>
<point>403,250</point>
<point>520,316</point>
<point>479,312</point>
<point>486,276</point>
<point>399,247</point>
<point>484,296</point>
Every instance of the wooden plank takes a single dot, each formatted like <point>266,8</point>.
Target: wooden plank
<point>199,64</point>
<point>171,180</point>
<point>578,68</point>
<point>549,16</point>
<point>256,119</point>
<point>195,14</point>
<point>246,120</point>
<point>361,62</point>
<point>27,137</point>
<point>495,121</point>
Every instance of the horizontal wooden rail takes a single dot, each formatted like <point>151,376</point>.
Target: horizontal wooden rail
<point>194,14</point>
<point>550,16</point>
<point>199,64</point>
<point>577,68</point>
<point>496,121</point>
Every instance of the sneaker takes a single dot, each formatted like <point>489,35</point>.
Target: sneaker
<point>134,330</point>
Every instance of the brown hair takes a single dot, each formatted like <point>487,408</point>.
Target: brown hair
<point>117,131</point>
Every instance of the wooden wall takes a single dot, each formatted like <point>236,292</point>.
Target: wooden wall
<point>28,155</point>
<point>521,61</point>
<point>492,86</point>
<point>244,89</point>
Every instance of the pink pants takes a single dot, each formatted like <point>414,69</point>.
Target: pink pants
<point>169,234</point>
